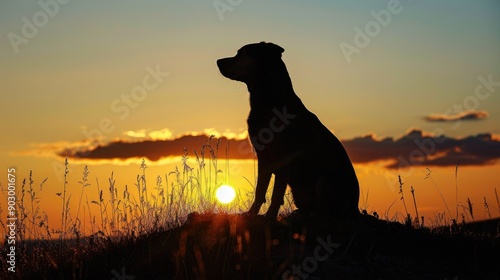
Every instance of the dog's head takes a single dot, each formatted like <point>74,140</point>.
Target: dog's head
<point>251,62</point>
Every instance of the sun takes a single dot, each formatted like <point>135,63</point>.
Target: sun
<point>225,194</point>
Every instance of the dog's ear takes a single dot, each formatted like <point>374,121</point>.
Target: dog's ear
<point>274,49</point>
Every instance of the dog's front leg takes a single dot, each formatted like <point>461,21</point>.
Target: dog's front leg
<point>280,183</point>
<point>263,179</point>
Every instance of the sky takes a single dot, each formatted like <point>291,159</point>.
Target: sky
<point>411,88</point>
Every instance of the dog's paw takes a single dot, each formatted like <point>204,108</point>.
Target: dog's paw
<point>254,210</point>
<point>271,214</point>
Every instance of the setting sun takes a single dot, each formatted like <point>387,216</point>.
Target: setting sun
<point>225,194</point>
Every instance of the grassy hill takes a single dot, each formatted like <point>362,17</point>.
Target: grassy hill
<point>223,246</point>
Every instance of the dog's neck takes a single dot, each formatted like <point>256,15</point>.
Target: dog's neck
<point>272,90</point>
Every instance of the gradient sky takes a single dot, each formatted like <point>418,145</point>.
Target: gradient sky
<point>73,73</point>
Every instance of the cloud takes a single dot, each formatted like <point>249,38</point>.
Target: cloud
<point>418,148</point>
<point>155,150</point>
<point>464,116</point>
<point>413,148</point>
<point>152,135</point>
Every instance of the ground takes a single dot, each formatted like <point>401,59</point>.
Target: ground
<point>223,246</point>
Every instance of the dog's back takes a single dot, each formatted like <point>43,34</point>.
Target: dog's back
<point>324,169</point>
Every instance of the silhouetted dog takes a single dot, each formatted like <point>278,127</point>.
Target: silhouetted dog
<point>290,141</point>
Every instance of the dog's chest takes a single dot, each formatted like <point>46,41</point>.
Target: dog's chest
<point>269,131</point>
<point>262,122</point>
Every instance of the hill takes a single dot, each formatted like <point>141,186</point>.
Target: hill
<point>224,246</point>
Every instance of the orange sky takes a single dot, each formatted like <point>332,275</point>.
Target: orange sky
<point>107,84</point>
<point>379,184</point>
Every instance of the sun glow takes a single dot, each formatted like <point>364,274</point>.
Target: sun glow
<point>225,194</point>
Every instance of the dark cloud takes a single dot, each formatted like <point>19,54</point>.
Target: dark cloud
<point>157,149</point>
<point>464,116</point>
<point>416,148</point>
<point>413,148</point>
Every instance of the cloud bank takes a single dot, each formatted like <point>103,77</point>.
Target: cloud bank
<point>418,148</point>
<point>413,148</point>
<point>156,149</point>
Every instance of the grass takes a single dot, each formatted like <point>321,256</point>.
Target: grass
<point>174,228</point>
